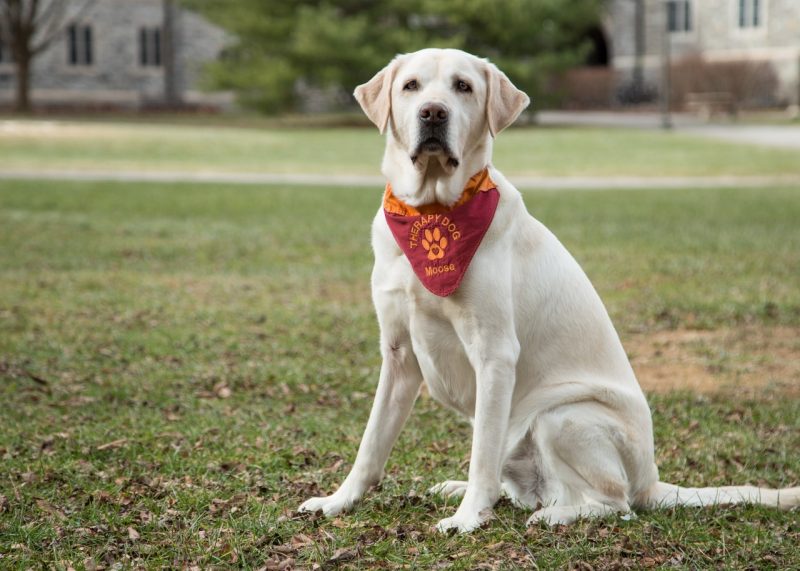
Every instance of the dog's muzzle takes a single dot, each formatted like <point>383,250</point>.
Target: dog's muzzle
<point>432,139</point>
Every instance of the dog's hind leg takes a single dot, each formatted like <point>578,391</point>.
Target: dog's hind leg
<point>586,464</point>
<point>522,477</point>
<point>449,488</point>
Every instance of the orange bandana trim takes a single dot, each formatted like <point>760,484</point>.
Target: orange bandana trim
<point>440,241</point>
<point>479,182</point>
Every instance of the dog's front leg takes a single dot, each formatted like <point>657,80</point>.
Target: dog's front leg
<point>495,367</point>
<point>398,387</point>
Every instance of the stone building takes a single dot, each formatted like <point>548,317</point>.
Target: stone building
<point>116,53</point>
<point>764,31</point>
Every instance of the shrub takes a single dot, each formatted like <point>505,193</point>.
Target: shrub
<point>585,87</point>
<point>750,83</point>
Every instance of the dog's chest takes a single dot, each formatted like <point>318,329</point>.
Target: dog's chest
<point>448,374</point>
<point>439,351</point>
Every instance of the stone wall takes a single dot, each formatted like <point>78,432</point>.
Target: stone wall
<point>116,77</point>
<point>715,35</point>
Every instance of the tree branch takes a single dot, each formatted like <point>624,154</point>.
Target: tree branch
<point>58,22</point>
<point>30,17</point>
<point>48,13</point>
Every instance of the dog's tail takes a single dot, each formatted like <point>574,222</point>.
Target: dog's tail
<point>663,495</point>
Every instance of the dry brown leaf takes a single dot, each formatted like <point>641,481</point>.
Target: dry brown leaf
<point>46,506</point>
<point>113,444</point>
<point>222,390</point>
<point>301,540</point>
<point>133,535</point>
<point>342,555</point>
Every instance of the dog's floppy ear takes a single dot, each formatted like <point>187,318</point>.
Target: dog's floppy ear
<point>375,96</point>
<point>504,102</point>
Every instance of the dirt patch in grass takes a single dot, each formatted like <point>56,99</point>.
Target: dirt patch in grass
<point>747,359</point>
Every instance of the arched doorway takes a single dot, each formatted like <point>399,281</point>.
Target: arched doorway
<point>598,55</point>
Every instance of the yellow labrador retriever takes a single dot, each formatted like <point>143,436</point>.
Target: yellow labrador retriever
<point>482,302</point>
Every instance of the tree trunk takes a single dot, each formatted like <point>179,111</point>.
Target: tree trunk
<point>639,45</point>
<point>23,95</point>
<point>172,96</point>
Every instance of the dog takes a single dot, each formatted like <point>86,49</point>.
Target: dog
<point>479,300</point>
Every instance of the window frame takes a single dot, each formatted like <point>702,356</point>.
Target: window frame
<point>687,21</point>
<point>80,40</point>
<point>757,10</point>
<point>150,50</point>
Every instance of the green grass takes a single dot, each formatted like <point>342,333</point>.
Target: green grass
<point>38,145</point>
<point>191,362</point>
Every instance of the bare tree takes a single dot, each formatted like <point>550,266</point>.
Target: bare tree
<point>172,96</point>
<point>28,27</point>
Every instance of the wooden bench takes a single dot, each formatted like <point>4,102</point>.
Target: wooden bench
<point>708,104</point>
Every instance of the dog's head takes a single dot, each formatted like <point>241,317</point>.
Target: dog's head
<point>439,104</point>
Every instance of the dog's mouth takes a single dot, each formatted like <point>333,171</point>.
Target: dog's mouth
<point>435,146</point>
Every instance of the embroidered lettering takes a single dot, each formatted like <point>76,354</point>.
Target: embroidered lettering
<point>451,227</point>
<point>443,269</point>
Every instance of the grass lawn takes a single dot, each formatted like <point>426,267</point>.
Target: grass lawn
<point>37,145</point>
<point>181,366</point>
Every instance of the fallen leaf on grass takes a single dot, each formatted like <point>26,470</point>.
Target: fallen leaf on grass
<point>284,549</point>
<point>37,379</point>
<point>222,390</point>
<point>47,507</point>
<point>133,535</point>
<point>275,564</point>
<point>113,444</point>
<point>301,540</point>
<point>342,555</point>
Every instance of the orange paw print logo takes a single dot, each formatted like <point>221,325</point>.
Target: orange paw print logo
<point>434,243</point>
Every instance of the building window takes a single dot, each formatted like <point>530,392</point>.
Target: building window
<point>750,13</point>
<point>150,47</point>
<point>79,45</point>
<point>5,53</point>
<point>679,16</point>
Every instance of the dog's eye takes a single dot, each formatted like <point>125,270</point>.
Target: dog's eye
<point>463,86</point>
<point>410,85</point>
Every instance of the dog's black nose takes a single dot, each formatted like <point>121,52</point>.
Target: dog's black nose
<point>433,114</point>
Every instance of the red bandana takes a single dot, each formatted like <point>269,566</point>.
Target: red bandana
<point>440,241</point>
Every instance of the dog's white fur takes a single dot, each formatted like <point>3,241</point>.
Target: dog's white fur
<point>524,347</point>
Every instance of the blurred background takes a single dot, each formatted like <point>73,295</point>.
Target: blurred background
<point>305,56</point>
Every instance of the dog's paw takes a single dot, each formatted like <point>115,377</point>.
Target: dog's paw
<point>330,505</point>
<point>449,489</point>
<point>464,523</point>
<point>556,515</point>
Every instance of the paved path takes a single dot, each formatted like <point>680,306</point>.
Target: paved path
<point>522,182</point>
<point>780,136</point>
